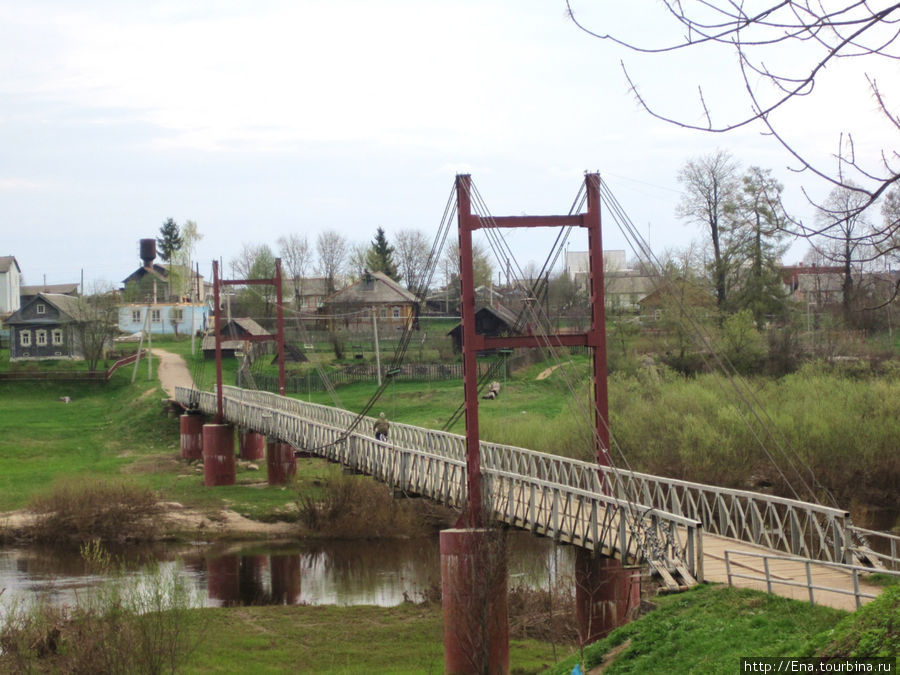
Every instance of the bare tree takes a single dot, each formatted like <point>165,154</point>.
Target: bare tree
<point>296,256</point>
<point>184,258</point>
<point>332,249</point>
<point>96,323</point>
<point>710,188</point>
<point>841,213</point>
<point>782,50</point>
<point>356,260</point>
<point>412,251</point>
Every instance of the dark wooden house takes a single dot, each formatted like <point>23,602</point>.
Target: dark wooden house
<point>490,321</point>
<point>43,328</point>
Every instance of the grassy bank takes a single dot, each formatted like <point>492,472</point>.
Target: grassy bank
<point>709,629</point>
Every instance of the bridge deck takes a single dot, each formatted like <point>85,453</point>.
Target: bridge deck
<point>684,531</point>
<point>783,574</point>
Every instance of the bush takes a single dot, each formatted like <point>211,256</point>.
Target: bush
<point>79,511</point>
<point>353,506</point>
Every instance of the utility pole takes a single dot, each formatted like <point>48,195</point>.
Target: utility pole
<point>377,351</point>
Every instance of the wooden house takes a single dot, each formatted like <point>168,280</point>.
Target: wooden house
<point>29,292</point>
<point>352,307</point>
<point>489,321</point>
<point>234,337</point>
<point>43,328</point>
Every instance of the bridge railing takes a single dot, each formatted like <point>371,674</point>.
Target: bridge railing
<point>432,463</point>
<point>886,550</point>
<point>788,525</point>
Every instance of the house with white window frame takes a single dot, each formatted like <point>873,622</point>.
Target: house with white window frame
<point>165,318</point>
<point>43,328</point>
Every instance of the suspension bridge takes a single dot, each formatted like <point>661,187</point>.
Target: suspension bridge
<point>682,532</point>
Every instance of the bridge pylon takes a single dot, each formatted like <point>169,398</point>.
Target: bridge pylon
<point>468,601</point>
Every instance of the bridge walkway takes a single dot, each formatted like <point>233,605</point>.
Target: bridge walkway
<point>685,532</point>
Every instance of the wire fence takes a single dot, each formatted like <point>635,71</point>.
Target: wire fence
<point>410,372</point>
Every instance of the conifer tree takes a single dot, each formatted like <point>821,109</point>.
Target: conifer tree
<point>380,256</point>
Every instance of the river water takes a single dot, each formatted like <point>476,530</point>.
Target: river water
<point>319,572</point>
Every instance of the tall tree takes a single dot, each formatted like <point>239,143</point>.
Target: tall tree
<point>482,269</point>
<point>756,37</point>
<point>412,257</point>
<point>96,323</point>
<point>842,217</point>
<point>184,259</point>
<point>170,240</point>
<point>757,223</point>
<point>331,247</point>
<point>297,257</point>
<point>380,256</point>
<point>357,260</point>
<point>710,189</point>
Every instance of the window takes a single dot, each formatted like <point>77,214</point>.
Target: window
<point>395,312</point>
<point>135,316</point>
<point>177,314</point>
<point>155,316</point>
<point>41,308</point>
<point>40,338</point>
<point>382,313</point>
<point>57,336</point>
<point>25,338</point>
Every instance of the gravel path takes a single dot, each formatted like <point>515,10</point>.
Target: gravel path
<point>172,371</point>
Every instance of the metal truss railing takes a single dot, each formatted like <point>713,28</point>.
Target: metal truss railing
<point>548,497</point>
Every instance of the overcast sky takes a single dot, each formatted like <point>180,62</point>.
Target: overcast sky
<point>266,117</point>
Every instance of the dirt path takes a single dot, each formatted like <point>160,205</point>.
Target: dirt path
<point>172,371</point>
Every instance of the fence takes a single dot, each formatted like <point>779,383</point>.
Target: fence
<point>364,372</point>
<point>70,376</point>
<point>771,579</point>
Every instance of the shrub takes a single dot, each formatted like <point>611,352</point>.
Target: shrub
<point>353,506</point>
<point>81,510</point>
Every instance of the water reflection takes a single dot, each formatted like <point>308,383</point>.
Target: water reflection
<point>373,572</point>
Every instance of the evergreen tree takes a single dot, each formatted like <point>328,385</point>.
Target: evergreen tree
<point>758,223</point>
<point>170,242</point>
<point>380,256</point>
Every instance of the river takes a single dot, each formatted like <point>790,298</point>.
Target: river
<point>311,572</point>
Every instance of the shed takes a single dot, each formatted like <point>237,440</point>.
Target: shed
<point>234,336</point>
<point>490,321</point>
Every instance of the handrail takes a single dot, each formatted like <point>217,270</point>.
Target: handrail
<point>892,559</point>
<point>432,463</point>
<point>771,580</point>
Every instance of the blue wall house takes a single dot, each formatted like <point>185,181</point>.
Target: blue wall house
<point>166,318</point>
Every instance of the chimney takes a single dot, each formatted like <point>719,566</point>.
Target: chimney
<point>148,251</point>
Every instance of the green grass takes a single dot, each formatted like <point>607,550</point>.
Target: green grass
<point>116,429</point>
<point>403,639</point>
<point>708,630</point>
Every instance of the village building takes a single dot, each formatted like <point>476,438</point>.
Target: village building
<point>374,294</point>
<point>491,322</point>
<point>28,292</point>
<point>156,301</point>
<point>235,337</point>
<point>10,285</point>
<point>45,328</point>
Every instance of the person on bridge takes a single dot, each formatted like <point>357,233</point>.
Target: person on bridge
<point>381,427</point>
